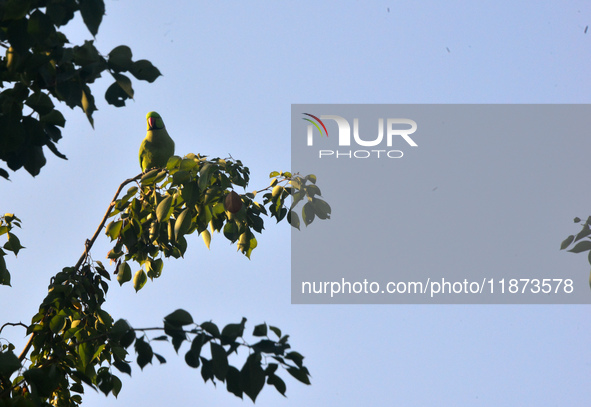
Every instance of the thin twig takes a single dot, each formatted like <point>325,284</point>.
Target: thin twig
<point>13,324</point>
<point>89,243</point>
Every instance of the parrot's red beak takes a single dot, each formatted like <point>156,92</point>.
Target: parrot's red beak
<point>151,122</point>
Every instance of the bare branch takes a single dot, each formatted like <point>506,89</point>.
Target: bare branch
<point>13,324</point>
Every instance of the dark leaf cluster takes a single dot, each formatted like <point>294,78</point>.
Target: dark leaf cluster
<point>75,343</point>
<point>41,67</point>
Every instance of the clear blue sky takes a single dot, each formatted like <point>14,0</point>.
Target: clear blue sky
<point>231,71</point>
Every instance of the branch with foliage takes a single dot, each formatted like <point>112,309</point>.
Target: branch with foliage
<point>40,67</point>
<point>75,342</point>
<point>581,242</point>
<point>13,244</point>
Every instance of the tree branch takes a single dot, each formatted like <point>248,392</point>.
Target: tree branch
<point>13,324</point>
<point>87,246</point>
<point>89,243</point>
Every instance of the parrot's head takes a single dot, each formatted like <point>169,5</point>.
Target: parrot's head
<point>154,121</point>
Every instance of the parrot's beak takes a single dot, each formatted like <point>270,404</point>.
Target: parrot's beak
<point>151,122</point>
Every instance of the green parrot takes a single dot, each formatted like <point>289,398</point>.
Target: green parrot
<point>157,147</point>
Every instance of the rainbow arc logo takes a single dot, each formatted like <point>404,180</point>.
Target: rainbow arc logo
<point>315,123</point>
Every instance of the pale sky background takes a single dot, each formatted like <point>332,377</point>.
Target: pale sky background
<point>231,72</point>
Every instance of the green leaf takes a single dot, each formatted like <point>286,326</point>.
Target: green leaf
<point>4,174</point>
<point>125,83</point>
<point>92,14</point>
<point>233,331</point>
<point>54,117</point>
<point>276,331</point>
<point>40,26</point>
<point>43,380</point>
<point>192,359</point>
<point>566,242</point>
<point>16,9</point>
<point>206,370</point>
<point>87,103</point>
<point>164,209</point>
<point>144,352</point>
<point>13,244</point>
<point>192,356</point>
<point>115,95</point>
<point>233,381</point>
<point>231,231</point>
<point>252,376</point>
<point>205,176</point>
<point>149,177</point>
<point>98,351</point>
<point>4,273</point>
<point>277,189</point>
<point>219,360</point>
<point>187,164</point>
<point>321,208</point>
<point>293,219</point>
<point>206,237</point>
<point>268,346</point>
<point>77,387</point>
<point>260,330</point>
<point>297,358</point>
<point>160,358</point>
<point>181,177</point>
<point>278,383</point>
<point>104,317</point>
<point>585,231</point>
<point>60,14</point>
<point>130,192</point>
<point>183,223</point>
<point>211,328</point>
<point>113,229</point>
<point>139,280</point>
<point>581,247</point>
<point>116,385</point>
<point>299,374</point>
<point>154,268</point>
<point>173,162</point>
<point>274,174</point>
<point>180,317</point>
<point>177,335</point>
<point>120,58</point>
<point>85,351</point>
<point>123,273</point>
<point>120,328</point>
<point>58,322</point>
<point>9,363</point>
<point>40,102</point>
<point>312,190</point>
<point>122,367</point>
<point>296,183</point>
<point>308,213</point>
<point>144,70</point>
<point>311,178</point>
